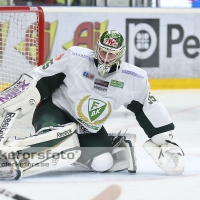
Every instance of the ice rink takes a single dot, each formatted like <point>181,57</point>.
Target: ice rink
<point>150,182</point>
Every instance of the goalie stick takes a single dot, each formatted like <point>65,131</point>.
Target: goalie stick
<point>12,195</point>
<point>110,193</point>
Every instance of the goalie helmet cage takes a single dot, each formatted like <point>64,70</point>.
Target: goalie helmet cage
<point>21,49</point>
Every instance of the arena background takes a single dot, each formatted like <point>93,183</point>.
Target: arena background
<point>167,49</point>
<point>164,42</point>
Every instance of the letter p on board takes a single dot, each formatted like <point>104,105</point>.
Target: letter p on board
<point>142,42</point>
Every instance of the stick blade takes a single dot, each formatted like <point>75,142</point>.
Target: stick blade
<point>110,193</point>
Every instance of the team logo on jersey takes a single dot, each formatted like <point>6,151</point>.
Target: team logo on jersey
<point>59,57</point>
<point>93,112</point>
<point>101,85</point>
<point>118,84</point>
<point>88,75</point>
<point>95,108</point>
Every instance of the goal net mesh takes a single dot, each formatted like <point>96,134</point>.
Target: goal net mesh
<point>19,52</point>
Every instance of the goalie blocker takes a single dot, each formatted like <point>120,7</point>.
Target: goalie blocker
<point>16,101</point>
<point>22,95</point>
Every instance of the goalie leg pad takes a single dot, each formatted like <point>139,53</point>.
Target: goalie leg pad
<point>124,155</point>
<point>56,157</point>
<point>101,163</point>
<point>40,137</point>
<point>51,149</point>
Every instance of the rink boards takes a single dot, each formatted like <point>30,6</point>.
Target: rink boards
<point>163,42</point>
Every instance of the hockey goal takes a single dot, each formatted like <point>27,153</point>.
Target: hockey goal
<point>21,49</point>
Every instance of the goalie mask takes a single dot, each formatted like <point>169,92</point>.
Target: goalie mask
<point>109,51</point>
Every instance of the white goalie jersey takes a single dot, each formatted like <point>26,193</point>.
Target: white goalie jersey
<point>73,82</point>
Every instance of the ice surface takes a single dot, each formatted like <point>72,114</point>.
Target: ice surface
<point>150,182</point>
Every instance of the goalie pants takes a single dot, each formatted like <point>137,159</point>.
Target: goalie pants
<point>93,144</point>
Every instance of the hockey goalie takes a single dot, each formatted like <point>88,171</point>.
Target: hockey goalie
<point>73,95</point>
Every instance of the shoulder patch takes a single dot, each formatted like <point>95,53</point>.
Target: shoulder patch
<point>132,73</point>
<point>83,56</point>
<point>59,57</point>
<point>88,75</point>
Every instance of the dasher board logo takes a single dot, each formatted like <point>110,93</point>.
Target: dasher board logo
<point>142,42</point>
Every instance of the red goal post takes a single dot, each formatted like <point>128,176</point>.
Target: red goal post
<point>21,48</point>
<point>21,41</point>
